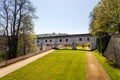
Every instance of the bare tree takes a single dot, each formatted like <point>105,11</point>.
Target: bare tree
<point>11,12</point>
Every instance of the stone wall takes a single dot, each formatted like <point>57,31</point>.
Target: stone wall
<point>113,49</point>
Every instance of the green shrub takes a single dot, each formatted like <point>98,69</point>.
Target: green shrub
<point>102,43</point>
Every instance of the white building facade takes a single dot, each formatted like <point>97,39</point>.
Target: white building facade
<point>71,40</point>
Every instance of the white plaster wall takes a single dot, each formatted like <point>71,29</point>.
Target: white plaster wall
<point>70,41</point>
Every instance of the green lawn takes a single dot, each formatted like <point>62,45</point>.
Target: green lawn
<point>58,65</point>
<point>112,70</point>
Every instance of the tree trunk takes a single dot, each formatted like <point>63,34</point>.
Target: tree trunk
<point>24,49</point>
<point>119,29</point>
<point>24,42</point>
<point>13,43</point>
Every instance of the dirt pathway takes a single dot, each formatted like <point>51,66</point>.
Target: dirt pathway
<point>95,71</point>
<point>6,70</point>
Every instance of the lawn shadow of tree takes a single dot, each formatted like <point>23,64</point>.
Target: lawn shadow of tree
<point>72,49</point>
<point>112,64</point>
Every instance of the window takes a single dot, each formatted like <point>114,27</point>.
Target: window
<point>66,40</point>
<point>45,40</point>
<point>37,41</point>
<point>50,40</point>
<point>88,39</point>
<point>80,39</point>
<point>60,40</point>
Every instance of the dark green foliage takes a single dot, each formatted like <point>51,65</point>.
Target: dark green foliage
<point>102,42</point>
<point>52,34</point>
<point>105,21</point>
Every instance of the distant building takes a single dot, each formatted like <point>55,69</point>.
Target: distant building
<point>65,40</point>
<point>52,34</point>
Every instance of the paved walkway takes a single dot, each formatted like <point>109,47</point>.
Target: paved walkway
<point>6,70</point>
<point>95,71</point>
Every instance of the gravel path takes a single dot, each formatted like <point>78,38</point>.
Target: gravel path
<point>6,70</point>
<point>95,71</point>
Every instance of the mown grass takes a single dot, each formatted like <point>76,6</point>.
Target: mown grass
<point>110,67</point>
<point>59,65</point>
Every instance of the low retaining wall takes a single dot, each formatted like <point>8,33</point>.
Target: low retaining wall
<point>113,49</point>
<point>14,60</point>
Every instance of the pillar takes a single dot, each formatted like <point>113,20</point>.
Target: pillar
<point>74,46</point>
<point>55,46</point>
<point>41,46</point>
<point>93,46</point>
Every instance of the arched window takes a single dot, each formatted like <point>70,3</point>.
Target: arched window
<point>88,39</point>
<point>37,41</point>
<point>60,40</point>
<point>45,40</point>
<point>50,40</point>
<point>80,39</point>
<point>66,40</point>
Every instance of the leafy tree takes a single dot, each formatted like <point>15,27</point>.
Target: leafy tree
<point>27,39</point>
<point>105,21</point>
<point>105,17</point>
<point>29,46</point>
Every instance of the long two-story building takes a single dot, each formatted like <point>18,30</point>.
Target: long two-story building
<point>66,40</point>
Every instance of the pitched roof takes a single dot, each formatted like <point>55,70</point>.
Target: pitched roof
<point>73,35</point>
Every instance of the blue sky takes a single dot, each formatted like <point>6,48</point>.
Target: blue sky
<point>63,16</point>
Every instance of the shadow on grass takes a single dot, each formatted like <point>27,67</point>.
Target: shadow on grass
<point>112,64</point>
<point>108,61</point>
<point>72,49</point>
